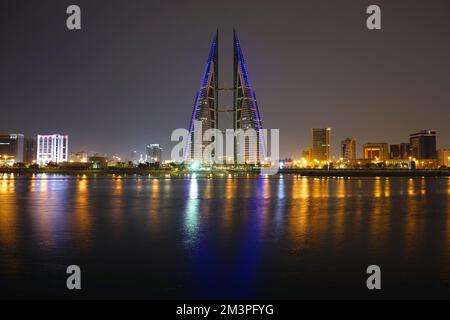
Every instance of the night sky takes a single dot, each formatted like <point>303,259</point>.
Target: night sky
<point>129,77</point>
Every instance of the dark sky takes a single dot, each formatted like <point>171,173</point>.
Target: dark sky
<point>129,77</point>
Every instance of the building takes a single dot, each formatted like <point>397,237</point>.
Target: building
<point>98,161</point>
<point>52,148</point>
<point>134,157</point>
<point>376,151</point>
<point>11,148</point>
<point>307,155</point>
<point>395,151</point>
<point>405,150</point>
<point>348,150</point>
<point>78,157</point>
<point>245,110</point>
<point>154,153</point>
<point>423,144</point>
<point>30,151</point>
<point>443,157</point>
<point>321,144</point>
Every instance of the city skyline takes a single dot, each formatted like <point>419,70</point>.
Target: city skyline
<point>327,75</point>
<point>224,157</point>
<point>18,148</point>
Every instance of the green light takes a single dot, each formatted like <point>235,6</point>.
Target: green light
<point>195,166</point>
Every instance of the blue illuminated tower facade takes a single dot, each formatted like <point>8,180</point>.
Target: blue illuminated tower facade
<point>206,106</point>
<point>246,111</point>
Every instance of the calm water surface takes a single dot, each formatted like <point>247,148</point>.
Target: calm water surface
<point>280,237</point>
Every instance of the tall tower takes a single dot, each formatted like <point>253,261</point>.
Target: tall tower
<point>348,149</point>
<point>246,112</point>
<point>321,144</point>
<point>206,103</point>
<point>245,108</point>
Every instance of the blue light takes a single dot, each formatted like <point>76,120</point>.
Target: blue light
<point>199,96</point>
<point>247,84</point>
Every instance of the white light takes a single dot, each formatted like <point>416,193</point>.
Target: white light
<point>52,148</point>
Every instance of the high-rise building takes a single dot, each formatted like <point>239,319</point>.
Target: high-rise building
<point>443,157</point>
<point>30,151</point>
<point>405,150</point>
<point>52,148</point>
<point>11,148</point>
<point>245,108</point>
<point>246,111</point>
<point>154,153</point>
<point>376,151</point>
<point>423,144</point>
<point>395,151</point>
<point>348,149</point>
<point>321,144</point>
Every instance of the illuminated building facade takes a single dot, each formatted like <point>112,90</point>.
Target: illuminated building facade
<point>423,145</point>
<point>205,106</point>
<point>348,150</point>
<point>307,155</point>
<point>78,157</point>
<point>443,157</point>
<point>154,153</point>
<point>246,111</point>
<point>245,107</point>
<point>52,148</point>
<point>11,148</point>
<point>321,144</point>
<point>376,151</point>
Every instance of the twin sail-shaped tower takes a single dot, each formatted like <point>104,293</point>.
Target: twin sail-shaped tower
<point>245,108</point>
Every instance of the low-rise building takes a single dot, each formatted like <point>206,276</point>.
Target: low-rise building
<point>376,151</point>
<point>443,157</point>
<point>11,148</point>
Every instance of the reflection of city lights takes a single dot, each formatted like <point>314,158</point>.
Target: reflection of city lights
<point>449,189</point>
<point>82,215</point>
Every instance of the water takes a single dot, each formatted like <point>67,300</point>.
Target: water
<point>224,238</point>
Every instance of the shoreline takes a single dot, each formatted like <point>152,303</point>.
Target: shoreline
<point>221,173</point>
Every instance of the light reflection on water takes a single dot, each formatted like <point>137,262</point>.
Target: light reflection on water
<point>155,203</point>
<point>229,234</point>
<point>446,248</point>
<point>192,214</point>
<point>229,206</point>
<point>82,214</point>
<point>8,213</point>
<point>50,205</point>
<point>117,205</point>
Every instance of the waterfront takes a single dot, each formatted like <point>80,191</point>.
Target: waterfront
<point>220,172</point>
<point>281,237</point>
